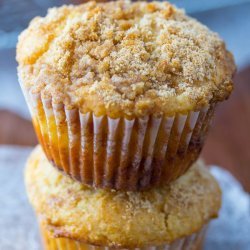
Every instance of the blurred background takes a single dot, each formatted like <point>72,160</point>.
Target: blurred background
<point>228,143</point>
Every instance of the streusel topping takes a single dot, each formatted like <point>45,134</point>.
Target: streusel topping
<point>122,58</point>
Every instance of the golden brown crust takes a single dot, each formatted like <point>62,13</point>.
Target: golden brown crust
<point>191,242</point>
<point>122,58</point>
<point>127,219</point>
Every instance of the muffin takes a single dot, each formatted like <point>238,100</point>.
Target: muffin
<point>122,94</point>
<point>74,216</point>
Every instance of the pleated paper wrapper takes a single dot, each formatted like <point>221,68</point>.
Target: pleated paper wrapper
<point>118,153</point>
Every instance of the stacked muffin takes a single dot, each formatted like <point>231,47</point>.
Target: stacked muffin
<point>121,96</point>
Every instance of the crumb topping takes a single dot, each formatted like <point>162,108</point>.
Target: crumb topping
<point>123,58</point>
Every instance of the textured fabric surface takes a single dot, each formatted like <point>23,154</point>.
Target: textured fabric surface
<point>18,228</point>
<point>19,231</point>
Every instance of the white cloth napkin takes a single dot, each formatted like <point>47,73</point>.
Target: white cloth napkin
<point>19,231</point>
<point>231,231</point>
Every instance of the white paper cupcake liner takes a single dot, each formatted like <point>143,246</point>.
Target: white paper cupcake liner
<point>192,242</point>
<point>118,153</point>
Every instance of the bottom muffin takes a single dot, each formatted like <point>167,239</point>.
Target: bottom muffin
<point>74,216</point>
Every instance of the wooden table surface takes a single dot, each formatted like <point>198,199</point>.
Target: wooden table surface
<point>228,143</point>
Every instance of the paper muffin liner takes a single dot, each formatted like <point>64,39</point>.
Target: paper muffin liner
<point>192,242</point>
<point>118,153</point>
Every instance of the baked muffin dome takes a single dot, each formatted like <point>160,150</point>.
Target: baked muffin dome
<point>114,218</point>
<point>124,59</point>
<point>122,93</point>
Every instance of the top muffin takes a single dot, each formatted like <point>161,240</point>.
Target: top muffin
<point>124,59</point>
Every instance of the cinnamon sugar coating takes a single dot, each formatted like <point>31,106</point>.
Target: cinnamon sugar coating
<point>121,219</point>
<point>124,59</point>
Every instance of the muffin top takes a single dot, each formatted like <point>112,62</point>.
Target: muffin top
<point>125,219</point>
<point>124,59</point>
